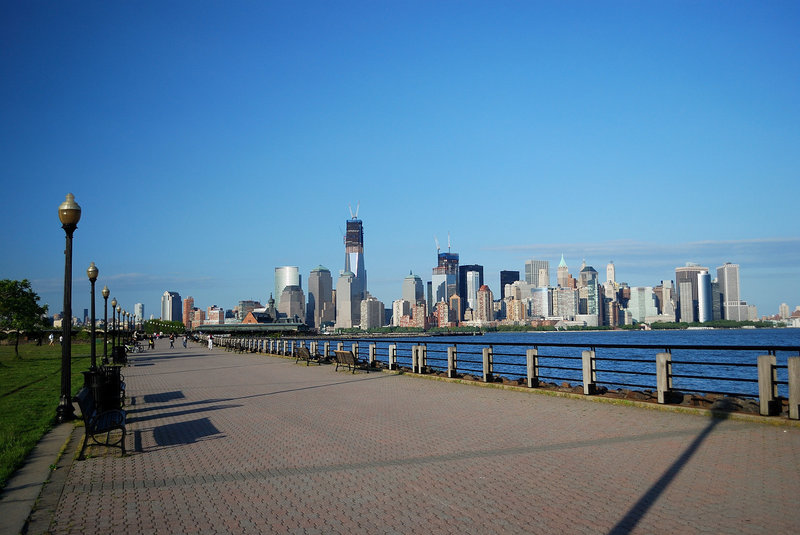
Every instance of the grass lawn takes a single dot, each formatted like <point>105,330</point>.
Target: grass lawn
<point>30,389</point>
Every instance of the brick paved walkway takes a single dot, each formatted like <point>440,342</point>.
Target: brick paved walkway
<point>227,443</point>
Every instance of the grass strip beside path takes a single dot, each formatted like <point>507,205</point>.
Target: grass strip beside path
<point>30,389</point>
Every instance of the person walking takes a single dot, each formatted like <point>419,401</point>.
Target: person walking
<point>210,342</point>
<point>172,341</point>
<point>51,338</point>
<point>185,339</point>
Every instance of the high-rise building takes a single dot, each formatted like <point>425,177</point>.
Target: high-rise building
<point>412,289</point>
<point>354,257</point>
<point>320,298</point>
<point>642,303</point>
<point>138,313</point>
<point>704,302</point>
<point>286,276</point>
<point>444,281</point>
<point>728,278</point>
<point>563,278</point>
<point>372,313</point>
<point>589,292</point>
<point>292,304</point>
<point>686,284</point>
<point>245,307</point>
<point>540,303</point>
<point>783,311</point>
<point>611,273</point>
<point>484,311</point>
<point>400,308</point>
<point>346,315</point>
<point>533,273</point>
<point>171,306</point>
<point>507,277</point>
<point>462,283</point>
<point>188,308</point>
<point>473,282</point>
<point>199,317</point>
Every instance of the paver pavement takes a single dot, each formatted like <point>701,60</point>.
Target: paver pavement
<point>222,442</point>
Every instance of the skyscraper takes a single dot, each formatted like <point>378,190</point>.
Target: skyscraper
<point>354,258</point>
<point>473,283</point>
<point>687,289</point>
<point>346,315</point>
<point>444,281</point>
<point>413,290</point>
<point>320,298</point>
<point>507,277</point>
<point>728,278</point>
<point>286,276</point>
<point>292,303</point>
<point>138,313</point>
<point>533,273</point>
<point>462,282</point>
<point>704,302</point>
<point>563,278</point>
<point>171,306</point>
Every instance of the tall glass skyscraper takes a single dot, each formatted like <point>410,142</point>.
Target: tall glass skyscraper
<point>285,276</point>
<point>354,257</point>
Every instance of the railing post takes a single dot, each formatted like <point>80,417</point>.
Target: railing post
<point>663,375</point>
<point>372,355</point>
<point>589,373</point>
<point>414,358</point>
<point>794,388</point>
<point>392,356</point>
<point>452,361</point>
<point>488,365</point>
<point>340,346</point>
<point>354,349</point>
<point>326,346</point>
<point>767,387</point>
<point>285,346</point>
<point>532,356</point>
<point>423,357</point>
<point>291,348</point>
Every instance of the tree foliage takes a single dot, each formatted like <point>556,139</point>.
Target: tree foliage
<point>19,309</point>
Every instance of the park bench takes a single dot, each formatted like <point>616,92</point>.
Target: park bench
<point>304,354</point>
<point>113,388</point>
<point>346,358</point>
<point>109,424</point>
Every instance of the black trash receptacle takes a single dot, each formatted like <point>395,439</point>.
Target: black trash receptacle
<point>119,355</point>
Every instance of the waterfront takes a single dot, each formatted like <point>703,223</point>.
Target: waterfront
<point>729,371</point>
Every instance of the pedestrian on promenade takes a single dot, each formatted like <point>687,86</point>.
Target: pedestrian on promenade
<point>151,342</point>
<point>210,342</point>
<point>185,339</point>
<point>172,341</point>
<point>51,338</point>
<point>61,340</point>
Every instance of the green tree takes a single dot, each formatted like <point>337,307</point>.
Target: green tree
<point>19,309</point>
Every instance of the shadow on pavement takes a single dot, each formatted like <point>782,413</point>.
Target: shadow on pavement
<point>649,498</point>
<point>181,433</point>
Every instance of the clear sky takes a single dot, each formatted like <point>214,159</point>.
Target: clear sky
<point>209,142</point>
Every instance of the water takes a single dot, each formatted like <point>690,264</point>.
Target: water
<point>724,371</point>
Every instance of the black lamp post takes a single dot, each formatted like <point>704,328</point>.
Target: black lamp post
<point>92,274</point>
<point>69,213</point>
<point>119,326</point>
<point>113,325</point>
<point>105,293</point>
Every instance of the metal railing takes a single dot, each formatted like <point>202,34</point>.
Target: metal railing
<point>725,370</point>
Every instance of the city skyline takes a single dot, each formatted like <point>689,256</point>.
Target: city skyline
<point>208,145</point>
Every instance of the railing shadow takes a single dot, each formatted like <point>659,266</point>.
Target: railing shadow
<point>635,514</point>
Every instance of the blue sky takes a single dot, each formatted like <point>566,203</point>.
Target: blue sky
<point>209,142</point>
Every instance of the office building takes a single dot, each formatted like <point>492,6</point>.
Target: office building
<point>563,278</point>
<point>463,283</point>
<point>215,316</point>
<point>245,307</point>
<point>286,276</point>
<point>473,282</point>
<point>642,303</point>
<point>171,306</point>
<point>413,290</point>
<point>506,277</point>
<point>704,301</point>
<point>346,315</point>
<point>537,273</point>
<point>354,258</point>
<point>320,309</point>
<point>728,278</point>
<point>400,308</point>
<point>138,313</point>
<point>687,289</point>
<point>292,304</point>
<point>444,281</point>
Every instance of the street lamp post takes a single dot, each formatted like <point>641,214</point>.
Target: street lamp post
<point>119,326</point>
<point>92,274</point>
<point>113,325</point>
<point>105,293</point>
<point>69,213</point>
